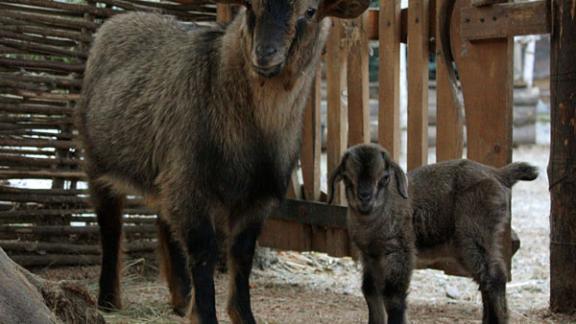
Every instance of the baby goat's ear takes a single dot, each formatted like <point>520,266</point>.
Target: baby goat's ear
<point>336,177</point>
<point>400,176</point>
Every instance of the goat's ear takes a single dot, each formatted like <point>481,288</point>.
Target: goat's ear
<point>336,177</point>
<point>400,177</point>
<point>342,8</point>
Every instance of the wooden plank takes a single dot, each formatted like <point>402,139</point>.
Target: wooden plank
<point>449,114</point>
<point>311,142</point>
<point>389,134</point>
<point>505,20</point>
<point>486,72</point>
<point>418,35</point>
<point>561,169</point>
<point>223,13</point>
<point>336,79</point>
<point>359,85</point>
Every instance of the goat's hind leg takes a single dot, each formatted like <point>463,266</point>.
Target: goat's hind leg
<point>108,206</point>
<point>174,268</point>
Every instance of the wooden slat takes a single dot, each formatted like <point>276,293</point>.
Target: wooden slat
<point>311,142</point>
<point>389,134</point>
<point>561,169</point>
<point>486,71</point>
<point>417,83</point>
<point>359,85</point>
<point>505,20</point>
<point>336,80</point>
<point>449,116</point>
<point>223,13</point>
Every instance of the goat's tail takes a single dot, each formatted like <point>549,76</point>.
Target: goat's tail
<point>515,172</point>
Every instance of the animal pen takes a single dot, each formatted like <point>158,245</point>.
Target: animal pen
<point>44,45</point>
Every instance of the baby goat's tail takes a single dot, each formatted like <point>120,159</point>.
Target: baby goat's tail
<point>516,171</point>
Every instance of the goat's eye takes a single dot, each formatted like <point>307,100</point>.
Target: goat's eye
<point>310,12</point>
<point>384,180</point>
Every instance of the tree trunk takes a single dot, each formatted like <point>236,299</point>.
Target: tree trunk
<point>27,298</point>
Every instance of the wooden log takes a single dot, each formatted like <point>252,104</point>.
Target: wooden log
<point>10,214</point>
<point>38,39</point>
<point>70,230</point>
<point>36,10</point>
<point>13,247</point>
<point>40,19</point>
<point>54,260</point>
<point>561,168</point>
<point>35,109</point>
<point>505,20</point>
<point>35,48</point>
<point>67,7</point>
<point>418,38</point>
<point>42,65</point>
<point>38,143</point>
<point>9,174</point>
<point>25,152</point>
<point>311,142</point>
<point>223,13</point>
<point>449,118</point>
<point>389,25</point>
<point>336,57</point>
<point>358,84</point>
<point>37,162</point>
<point>20,26</point>
<point>27,298</point>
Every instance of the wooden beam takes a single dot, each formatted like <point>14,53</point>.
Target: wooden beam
<point>389,134</point>
<point>418,36</point>
<point>311,142</point>
<point>486,73</point>
<point>449,120</point>
<point>505,20</point>
<point>562,165</point>
<point>223,13</point>
<point>336,58</point>
<point>359,86</point>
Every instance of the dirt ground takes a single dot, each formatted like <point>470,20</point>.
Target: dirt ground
<point>315,288</point>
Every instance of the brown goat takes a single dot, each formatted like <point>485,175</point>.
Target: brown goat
<point>459,210</point>
<point>205,123</point>
<point>380,225</point>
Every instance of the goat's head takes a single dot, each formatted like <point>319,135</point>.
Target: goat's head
<point>366,171</point>
<point>274,28</point>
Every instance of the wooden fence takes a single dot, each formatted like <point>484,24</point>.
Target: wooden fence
<point>43,46</point>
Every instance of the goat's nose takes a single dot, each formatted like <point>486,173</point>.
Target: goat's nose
<point>265,51</point>
<point>364,196</point>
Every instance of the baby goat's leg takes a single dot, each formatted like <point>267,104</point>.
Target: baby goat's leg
<point>373,298</point>
<point>108,206</point>
<point>174,268</point>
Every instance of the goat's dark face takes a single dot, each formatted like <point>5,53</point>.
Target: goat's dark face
<point>367,171</point>
<point>277,28</point>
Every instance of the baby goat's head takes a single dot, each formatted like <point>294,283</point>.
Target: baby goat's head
<point>275,28</point>
<point>367,170</point>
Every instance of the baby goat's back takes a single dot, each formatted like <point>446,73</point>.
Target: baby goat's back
<point>437,189</point>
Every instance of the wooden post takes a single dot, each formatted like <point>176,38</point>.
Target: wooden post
<point>449,121</point>
<point>418,83</point>
<point>562,164</point>
<point>311,150</point>
<point>486,70</point>
<point>359,85</point>
<point>389,27</point>
<point>336,58</point>
<point>223,13</point>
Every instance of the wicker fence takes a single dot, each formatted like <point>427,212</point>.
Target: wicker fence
<point>44,210</point>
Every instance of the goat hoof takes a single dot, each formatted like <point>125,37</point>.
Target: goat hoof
<point>109,305</point>
<point>180,310</point>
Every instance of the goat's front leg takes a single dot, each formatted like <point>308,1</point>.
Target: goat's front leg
<point>241,253</point>
<point>199,238</point>
<point>373,298</point>
<point>397,270</point>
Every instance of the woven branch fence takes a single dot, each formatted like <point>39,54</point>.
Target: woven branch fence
<point>45,217</point>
